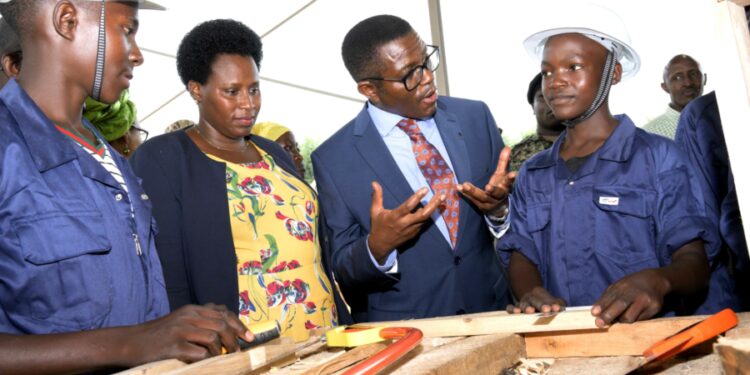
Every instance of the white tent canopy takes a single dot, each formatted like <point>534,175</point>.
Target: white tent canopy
<point>306,87</point>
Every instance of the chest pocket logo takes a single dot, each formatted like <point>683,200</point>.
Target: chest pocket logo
<point>633,202</point>
<point>609,201</point>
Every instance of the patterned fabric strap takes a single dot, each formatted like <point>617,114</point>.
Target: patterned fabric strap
<point>437,173</point>
<point>99,153</point>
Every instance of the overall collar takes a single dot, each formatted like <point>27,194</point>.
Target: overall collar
<point>47,146</point>
<point>618,147</point>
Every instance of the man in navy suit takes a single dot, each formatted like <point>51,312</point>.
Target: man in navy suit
<point>399,249</point>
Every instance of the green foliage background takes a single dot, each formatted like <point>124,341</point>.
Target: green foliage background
<point>306,148</point>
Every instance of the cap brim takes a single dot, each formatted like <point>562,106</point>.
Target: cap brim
<point>142,4</point>
<point>145,4</point>
<point>629,60</point>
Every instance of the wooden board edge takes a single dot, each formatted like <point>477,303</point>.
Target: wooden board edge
<point>477,355</point>
<point>494,323</point>
<point>618,340</point>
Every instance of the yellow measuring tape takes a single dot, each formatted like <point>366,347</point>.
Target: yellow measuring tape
<point>338,337</point>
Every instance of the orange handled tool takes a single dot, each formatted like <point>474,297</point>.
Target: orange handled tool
<point>406,339</point>
<point>690,336</point>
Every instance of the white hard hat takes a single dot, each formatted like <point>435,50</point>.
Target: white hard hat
<point>142,4</point>
<point>596,22</point>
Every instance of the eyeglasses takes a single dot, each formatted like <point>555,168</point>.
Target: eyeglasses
<point>413,78</point>
<point>143,133</point>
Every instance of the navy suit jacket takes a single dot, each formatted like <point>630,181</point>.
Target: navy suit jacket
<point>189,194</point>
<point>432,279</point>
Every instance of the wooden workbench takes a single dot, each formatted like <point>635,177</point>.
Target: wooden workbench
<point>586,350</point>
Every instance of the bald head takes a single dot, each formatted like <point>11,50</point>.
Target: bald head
<point>683,80</point>
<point>679,59</point>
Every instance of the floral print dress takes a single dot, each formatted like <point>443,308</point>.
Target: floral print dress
<point>274,217</point>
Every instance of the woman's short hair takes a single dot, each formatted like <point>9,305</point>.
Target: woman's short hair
<point>200,47</point>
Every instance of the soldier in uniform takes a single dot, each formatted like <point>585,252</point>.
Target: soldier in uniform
<point>548,128</point>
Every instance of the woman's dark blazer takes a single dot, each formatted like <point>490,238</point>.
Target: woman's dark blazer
<point>189,195</point>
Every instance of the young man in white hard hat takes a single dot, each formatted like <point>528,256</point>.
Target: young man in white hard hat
<point>81,286</point>
<point>610,216</point>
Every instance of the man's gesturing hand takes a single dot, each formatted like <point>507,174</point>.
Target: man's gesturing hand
<point>391,228</point>
<point>494,197</point>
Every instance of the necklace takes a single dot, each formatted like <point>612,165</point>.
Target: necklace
<point>244,147</point>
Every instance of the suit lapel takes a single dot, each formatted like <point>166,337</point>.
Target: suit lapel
<point>374,151</point>
<point>451,133</point>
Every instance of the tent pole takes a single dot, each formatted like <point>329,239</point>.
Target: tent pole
<point>436,27</point>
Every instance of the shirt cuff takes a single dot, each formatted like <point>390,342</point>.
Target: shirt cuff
<point>391,262</point>
<point>498,225</point>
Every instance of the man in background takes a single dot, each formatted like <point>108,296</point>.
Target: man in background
<point>548,128</point>
<point>683,81</point>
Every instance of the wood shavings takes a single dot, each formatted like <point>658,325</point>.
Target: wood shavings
<point>530,367</point>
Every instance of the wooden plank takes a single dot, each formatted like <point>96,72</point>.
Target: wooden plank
<point>318,360</point>
<point>497,322</point>
<point>608,365</point>
<point>242,362</point>
<point>313,345</point>
<point>706,364</point>
<point>734,355</point>
<point>478,355</point>
<point>743,327</point>
<point>347,359</point>
<point>618,340</point>
<point>427,344</point>
<point>154,368</point>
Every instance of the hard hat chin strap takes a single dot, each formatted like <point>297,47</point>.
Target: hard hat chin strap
<point>601,94</point>
<point>96,91</point>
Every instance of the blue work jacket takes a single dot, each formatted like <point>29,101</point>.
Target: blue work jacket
<point>68,254</point>
<point>630,206</point>
<point>701,135</point>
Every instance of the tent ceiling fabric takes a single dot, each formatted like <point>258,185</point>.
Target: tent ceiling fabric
<point>302,74</point>
<point>482,46</point>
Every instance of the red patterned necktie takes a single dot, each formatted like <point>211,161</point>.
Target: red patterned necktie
<point>437,173</point>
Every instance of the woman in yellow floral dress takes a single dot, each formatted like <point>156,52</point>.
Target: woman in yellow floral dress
<point>289,286</point>
<point>237,224</point>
